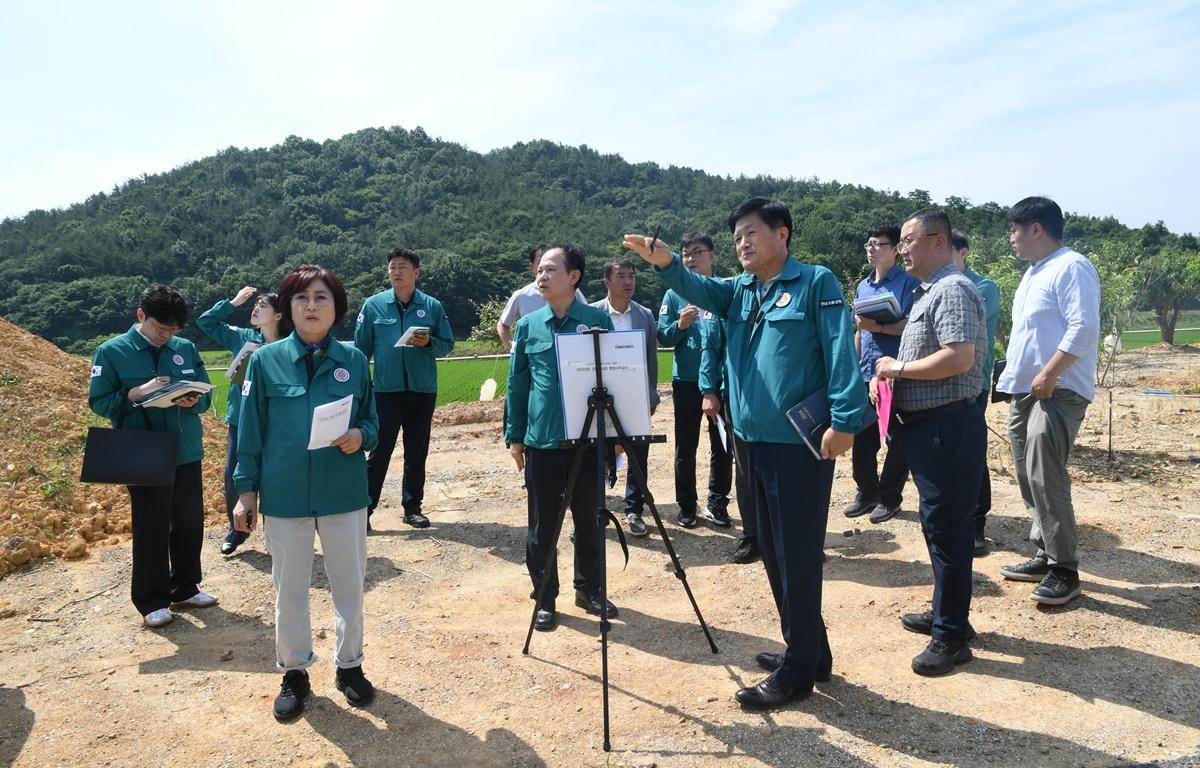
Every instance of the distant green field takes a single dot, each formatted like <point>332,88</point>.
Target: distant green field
<point>1139,340</point>
<point>458,380</point>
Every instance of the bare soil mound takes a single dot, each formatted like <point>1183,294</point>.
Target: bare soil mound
<point>44,510</point>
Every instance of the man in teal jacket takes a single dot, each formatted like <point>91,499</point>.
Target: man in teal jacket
<point>679,326</point>
<point>167,523</point>
<point>789,338</point>
<point>405,376</point>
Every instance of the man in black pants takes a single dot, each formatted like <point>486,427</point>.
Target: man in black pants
<point>679,326</point>
<point>405,376</point>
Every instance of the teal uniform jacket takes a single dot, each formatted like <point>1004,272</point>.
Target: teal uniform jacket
<point>272,454</point>
<point>687,343</point>
<point>797,341</point>
<point>124,362</point>
<point>232,338</point>
<point>534,409</point>
<point>991,304</point>
<point>712,379</point>
<point>381,324</point>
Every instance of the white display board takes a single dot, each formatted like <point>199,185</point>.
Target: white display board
<point>623,361</point>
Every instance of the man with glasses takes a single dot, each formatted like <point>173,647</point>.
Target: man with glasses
<point>679,327</point>
<point>879,493</point>
<point>1051,374</point>
<point>937,376</point>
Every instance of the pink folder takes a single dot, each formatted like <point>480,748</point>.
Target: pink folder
<point>885,408</point>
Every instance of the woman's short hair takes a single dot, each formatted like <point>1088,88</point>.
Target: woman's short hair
<point>299,279</point>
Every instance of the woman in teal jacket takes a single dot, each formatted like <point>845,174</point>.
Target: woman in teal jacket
<point>266,325</point>
<point>304,488</point>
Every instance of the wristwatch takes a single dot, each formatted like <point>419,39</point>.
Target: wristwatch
<point>897,368</point>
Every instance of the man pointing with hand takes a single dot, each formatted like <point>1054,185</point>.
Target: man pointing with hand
<point>789,336</point>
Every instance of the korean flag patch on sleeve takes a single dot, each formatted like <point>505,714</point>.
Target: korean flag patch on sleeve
<point>246,388</point>
<point>96,369</point>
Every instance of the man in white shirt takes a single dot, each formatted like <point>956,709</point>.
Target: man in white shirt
<point>1051,374</point>
<point>627,315</point>
<point>525,300</point>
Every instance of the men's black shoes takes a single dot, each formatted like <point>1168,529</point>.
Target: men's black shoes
<point>718,516</point>
<point>1033,569</point>
<point>940,656</point>
<point>773,661</point>
<point>416,520</point>
<point>637,526</point>
<point>687,518</point>
<point>357,688</point>
<point>922,624</point>
<point>882,513</point>
<point>292,693</point>
<point>981,545</point>
<point>591,604</point>
<point>769,694</point>
<point>746,552</point>
<point>1060,587</point>
<point>545,620</point>
<point>233,540</point>
<point>858,507</point>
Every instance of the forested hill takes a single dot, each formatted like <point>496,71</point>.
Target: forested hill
<point>248,216</point>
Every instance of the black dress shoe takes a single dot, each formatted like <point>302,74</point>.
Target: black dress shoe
<point>233,540</point>
<point>922,624</point>
<point>773,661</point>
<point>981,545</point>
<point>545,620</point>
<point>591,604</point>
<point>768,694</point>
<point>289,704</point>
<point>746,552</point>
<point>416,520</point>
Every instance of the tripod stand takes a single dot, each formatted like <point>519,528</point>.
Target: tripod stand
<point>601,405</point>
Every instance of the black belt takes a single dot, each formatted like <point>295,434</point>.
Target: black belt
<point>912,417</point>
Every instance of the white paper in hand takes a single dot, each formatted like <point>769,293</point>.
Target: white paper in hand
<point>488,390</point>
<point>721,431</point>
<point>329,422</point>
<point>405,339</point>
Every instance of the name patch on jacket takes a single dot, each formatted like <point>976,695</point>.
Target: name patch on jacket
<point>826,303</point>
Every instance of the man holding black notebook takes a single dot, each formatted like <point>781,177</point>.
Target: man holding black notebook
<point>789,337</point>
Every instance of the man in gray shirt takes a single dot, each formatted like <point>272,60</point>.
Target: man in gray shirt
<point>937,376</point>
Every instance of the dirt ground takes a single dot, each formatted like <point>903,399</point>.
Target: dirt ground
<point>1112,679</point>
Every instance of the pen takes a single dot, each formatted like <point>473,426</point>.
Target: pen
<point>654,240</point>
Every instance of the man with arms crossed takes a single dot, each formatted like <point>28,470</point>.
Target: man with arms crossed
<point>1051,374</point>
<point>788,338</point>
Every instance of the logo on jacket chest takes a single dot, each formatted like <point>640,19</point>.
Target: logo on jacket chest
<point>342,375</point>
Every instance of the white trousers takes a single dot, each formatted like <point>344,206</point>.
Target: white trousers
<point>344,549</point>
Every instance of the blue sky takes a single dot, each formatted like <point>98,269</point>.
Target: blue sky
<point>1092,103</point>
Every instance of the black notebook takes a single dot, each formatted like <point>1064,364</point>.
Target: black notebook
<point>811,419</point>
<point>882,308</point>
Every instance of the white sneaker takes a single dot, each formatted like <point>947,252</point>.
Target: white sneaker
<point>158,618</point>
<point>199,600</point>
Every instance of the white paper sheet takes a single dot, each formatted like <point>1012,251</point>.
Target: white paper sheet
<point>623,356</point>
<point>723,433</point>
<point>329,422</point>
<point>246,350</point>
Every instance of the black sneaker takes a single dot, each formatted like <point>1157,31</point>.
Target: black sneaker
<point>637,527</point>
<point>882,513</point>
<point>718,516</point>
<point>416,520</point>
<point>292,693</point>
<point>1033,569</point>
<point>940,656</point>
<point>981,545</point>
<point>687,518</point>
<point>1060,587</point>
<point>747,552</point>
<point>858,507</point>
<point>922,624</point>
<point>357,688</point>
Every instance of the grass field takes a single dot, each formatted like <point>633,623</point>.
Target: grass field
<point>1138,340</point>
<point>459,380</point>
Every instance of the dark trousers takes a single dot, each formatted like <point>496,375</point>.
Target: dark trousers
<point>546,471</point>
<point>945,453</point>
<point>984,504</point>
<point>791,495</point>
<point>168,529</point>
<point>635,500</point>
<point>412,412</point>
<point>688,415</point>
<point>887,487</point>
<point>231,494</point>
<point>741,481</point>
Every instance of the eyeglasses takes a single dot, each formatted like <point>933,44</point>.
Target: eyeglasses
<point>874,244</point>
<point>696,252</point>
<point>907,242</point>
<point>320,300</point>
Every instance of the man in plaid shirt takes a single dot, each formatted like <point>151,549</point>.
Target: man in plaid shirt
<point>938,375</point>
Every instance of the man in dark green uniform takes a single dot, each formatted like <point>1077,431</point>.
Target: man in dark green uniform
<point>167,522</point>
<point>789,337</point>
<point>405,376</point>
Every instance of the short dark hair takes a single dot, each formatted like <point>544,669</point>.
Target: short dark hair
<point>696,236</point>
<point>1039,210</point>
<point>300,278</point>
<point>958,240</point>
<point>405,253</point>
<point>285,322</point>
<point>889,230</point>
<point>612,265</point>
<point>774,213</point>
<point>572,257</point>
<point>164,304</point>
<point>934,221</point>
<point>536,252</point>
